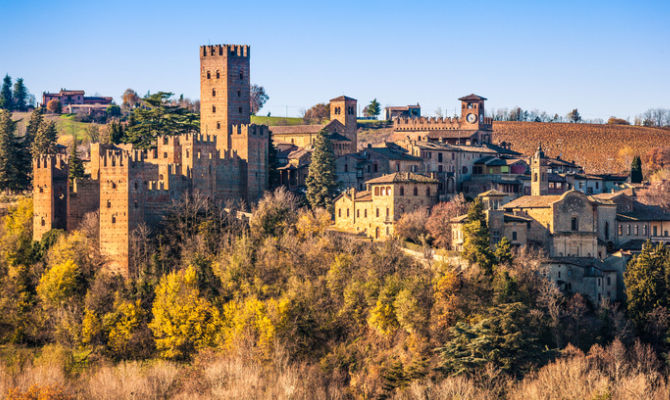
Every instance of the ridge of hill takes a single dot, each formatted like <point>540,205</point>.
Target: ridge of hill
<point>599,148</point>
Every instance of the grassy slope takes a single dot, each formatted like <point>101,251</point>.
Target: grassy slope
<point>65,124</point>
<point>274,121</point>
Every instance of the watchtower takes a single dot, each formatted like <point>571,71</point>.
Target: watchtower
<point>343,109</point>
<point>50,193</point>
<point>224,90</point>
<point>472,109</point>
<point>539,184</point>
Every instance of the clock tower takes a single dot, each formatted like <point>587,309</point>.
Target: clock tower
<point>472,110</point>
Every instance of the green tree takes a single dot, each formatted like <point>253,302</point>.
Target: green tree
<point>257,98</point>
<point>503,253</point>
<point>645,282</point>
<point>573,116</point>
<point>183,321</point>
<point>36,120</point>
<point>321,179</point>
<point>113,110</point>
<point>636,170</point>
<point>159,117</point>
<point>75,164</point>
<point>273,164</point>
<point>373,109</point>
<point>20,95</point>
<point>9,173</point>
<point>476,246</point>
<point>6,99</point>
<point>505,337</point>
<point>45,139</point>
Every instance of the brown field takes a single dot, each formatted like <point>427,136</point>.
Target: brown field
<point>598,148</point>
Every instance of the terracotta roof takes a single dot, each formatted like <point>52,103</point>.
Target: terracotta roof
<point>515,218</point>
<point>341,98</point>
<point>393,154</point>
<point>643,212</point>
<point>402,108</point>
<point>338,138</point>
<point>609,196</point>
<point>402,177</point>
<point>364,195</point>
<point>296,129</point>
<point>492,192</point>
<point>532,201</point>
<point>472,97</point>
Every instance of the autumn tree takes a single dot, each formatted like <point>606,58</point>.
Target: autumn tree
<point>412,225</point>
<point>274,214</point>
<point>321,179</point>
<point>258,98</point>
<point>54,106</point>
<point>317,113</point>
<point>130,99</point>
<point>439,222</point>
<point>183,321</point>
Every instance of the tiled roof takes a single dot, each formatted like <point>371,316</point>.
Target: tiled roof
<point>403,177</point>
<point>338,138</point>
<point>492,192</point>
<point>643,212</point>
<point>532,201</point>
<point>296,129</point>
<point>341,98</point>
<point>472,97</point>
<point>393,154</point>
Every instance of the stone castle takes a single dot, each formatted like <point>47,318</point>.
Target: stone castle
<point>128,187</point>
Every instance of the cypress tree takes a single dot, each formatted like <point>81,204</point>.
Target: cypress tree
<point>76,165</point>
<point>6,100</point>
<point>20,95</point>
<point>645,282</point>
<point>476,247</point>
<point>321,179</point>
<point>45,139</point>
<point>273,164</point>
<point>636,170</point>
<point>8,165</point>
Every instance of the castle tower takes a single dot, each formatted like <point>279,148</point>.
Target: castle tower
<point>224,90</point>
<point>251,143</point>
<point>343,109</point>
<point>539,184</point>
<point>472,109</point>
<point>50,193</point>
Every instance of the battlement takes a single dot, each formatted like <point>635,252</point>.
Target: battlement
<point>219,50</point>
<point>57,161</point>
<point>122,158</point>
<point>250,130</point>
<point>426,123</point>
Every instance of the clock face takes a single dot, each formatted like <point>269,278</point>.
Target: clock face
<point>471,118</point>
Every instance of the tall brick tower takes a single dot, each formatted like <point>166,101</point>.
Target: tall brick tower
<point>539,184</point>
<point>224,90</point>
<point>343,109</point>
<point>50,193</point>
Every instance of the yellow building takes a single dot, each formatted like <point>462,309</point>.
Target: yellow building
<point>375,210</point>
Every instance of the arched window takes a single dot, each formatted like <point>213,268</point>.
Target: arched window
<point>43,222</point>
<point>213,92</point>
<point>218,125</point>
<point>218,74</point>
<point>208,75</point>
<point>376,190</point>
<point>213,109</point>
<point>113,219</point>
<point>109,204</point>
<point>377,212</point>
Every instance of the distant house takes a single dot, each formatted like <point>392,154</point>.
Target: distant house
<point>74,101</point>
<point>409,111</point>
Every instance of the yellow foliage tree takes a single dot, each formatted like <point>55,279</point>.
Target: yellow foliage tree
<point>183,321</point>
<point>123,324</point>
<point>58,284</point>
<point>313,223</point>
<point>252,320</point>
<point>18,232</point>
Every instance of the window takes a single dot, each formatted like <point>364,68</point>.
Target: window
<point>637,230</point>
<point>375,167</point>
<point>609,281</point>
<point>213,109</point>
<point>208,75</point>
<point>416,191</point>
<point>165,140</point>
<point>239,93</point>
<point>43,222</point>
<point>514,235</point>
<point>165,154</point>
<point>402,190</point>
<point>465,170</point>
<point>644,230</point>
<point>607,230</point>
<point>365,213</point>
<point>347,213</point>
<point>339,213</point>
<point>218,75</point>
<point>655,231</point>
<point>620,230</point>
<point>218,125</point>
<point>240,109</point>
<point>428,191</point>
<point>346,167</point>
<point>573,224</point>
<point>350,110</point>
<point>358,213</point>
<point>241,75</point>
<point>136,205</point>
<point>113,219</point>
<point>388,212</point>
<point>439,157</point>
<point>109,204</point>
<point>376,191</point>
<point>377,212</point>
<point>397,167</point>
<point>628,229</point>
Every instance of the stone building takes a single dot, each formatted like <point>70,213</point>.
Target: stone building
<point>228,160</point>
<point>75,98</point>
<point>472,127</point>
<point>409,111</point>
<point>342,129</point>
<point>374,211</point>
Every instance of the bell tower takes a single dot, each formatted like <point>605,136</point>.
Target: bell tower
<point>539,184</point>
<point>343,109</point>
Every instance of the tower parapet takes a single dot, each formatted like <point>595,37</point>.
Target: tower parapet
<point>50,193</point>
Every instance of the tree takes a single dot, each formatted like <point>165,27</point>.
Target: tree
<point>503,253</point>
<point>412,225</point>
<point>636,170</point>
<point>258,97</point>
<point>183,322</point>
<point>75,164</point>
<point>573,116</point>
<point>54,106</point>
<point>59,284</point>
<point>273,164</point>
<point>113,110</point>
<point>476,246</point>
<point>8,152</point>
<point>6,100</point>
<point>20,95</point>
<point>321,179</point>
<point>645,282</point>
<point>617,121</point>
<point>275,213</point>
<point>45,139</point>
<point>439,222</point>
<point>317,113</point>
<point>130,99</point>
<point>158,118</point>
<point>373,109</point>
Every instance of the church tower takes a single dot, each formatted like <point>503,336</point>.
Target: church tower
<point>343,109</point>
<point>224,91</point>
<point>539,184</point>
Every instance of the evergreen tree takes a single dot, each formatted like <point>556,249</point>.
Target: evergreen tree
<point>503,253</point>
<point>6,100</point>
<point>636,170</point>
<point>45,139</point>
<point>645,282</point>
<point>20,95</point>
<point>373,109</point>
<point>476,248</point>
<point>8,145</point>
<point>76,165</point>
<point>321,179</point>
<point>273,164</point>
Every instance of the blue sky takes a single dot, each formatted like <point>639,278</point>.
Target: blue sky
<point>603,57</point>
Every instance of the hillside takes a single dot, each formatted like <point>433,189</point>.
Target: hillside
<point>65,124</point>
<point>598,148</point>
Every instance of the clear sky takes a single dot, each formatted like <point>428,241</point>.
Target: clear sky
<point>603,57</point>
